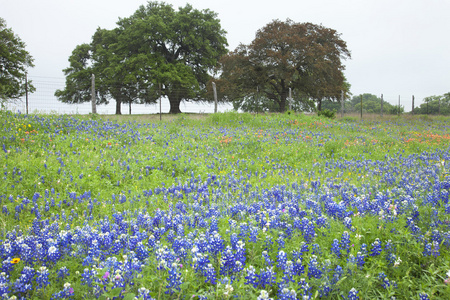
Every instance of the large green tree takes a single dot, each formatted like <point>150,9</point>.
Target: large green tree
<point>156,51</point>
<point>14,61</point>
<point>302,58</point>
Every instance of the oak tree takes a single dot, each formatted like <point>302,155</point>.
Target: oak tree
<point>155,51</point>
<point>14,61</point>
<point>303,58</point>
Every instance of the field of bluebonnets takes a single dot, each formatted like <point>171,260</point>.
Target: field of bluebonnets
<point>227,206</point>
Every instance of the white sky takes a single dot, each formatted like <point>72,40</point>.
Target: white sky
<point>399,47</point>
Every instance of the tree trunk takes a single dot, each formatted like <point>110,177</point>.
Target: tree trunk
<point>319,104</point>
<point>174,105</point>
<point>283,105</point>
<point>118,107</point>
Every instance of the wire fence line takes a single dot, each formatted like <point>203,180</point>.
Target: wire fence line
<point>43,100</point>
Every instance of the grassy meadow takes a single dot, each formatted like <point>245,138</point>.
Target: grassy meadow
<point>224,206</point>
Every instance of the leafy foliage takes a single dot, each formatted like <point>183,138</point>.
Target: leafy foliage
<point>14,61</point>
<point>330,114</point>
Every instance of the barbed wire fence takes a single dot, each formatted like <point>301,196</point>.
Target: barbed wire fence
<point>44,101</point>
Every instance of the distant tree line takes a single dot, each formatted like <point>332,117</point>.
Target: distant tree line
<point>434,105</point>
<point>371,104</point>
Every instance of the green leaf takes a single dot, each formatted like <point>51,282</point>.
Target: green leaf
<point>129,296</point>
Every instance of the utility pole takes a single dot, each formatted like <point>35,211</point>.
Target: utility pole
<point>342,104</point>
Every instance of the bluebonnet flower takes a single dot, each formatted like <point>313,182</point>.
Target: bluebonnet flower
<point>389,248</point>
<point>281,242</point>
<point>66,293</point>
<point>427,249</point>
<point>53,254</point>
<point>353,294</point>
<point>216,243</point>
<point>233,240</point>
<point>316,249</point>
<point>435,249</point>
<point>4,284</point>
<point>253,237</point>
<point>267,259</point>
<point>298,268</point>
<point>174,280</point>
<point>252,277</point>
<point>267,277</point>
<point>286,294</point>
<point>24,282</point>
<point>281,259</point>
<point>345,241</point>
<point>240,254</point>
<point>42,277</point>
<point>141,251</point>
<point>324,289</point>
<point>227,262</point>
<point>288,272</point>
<point>303,248</point>
<point>338,271</point>
<point>348,223</point>
<point>308,229</point>
<point>424,296</point>
<point>336,248</point>
<point>304,289</point>
<point>144,294</point>
<point>243,230</point>
<point>210,274</point>
<point>376,248</point>
<point>88,277</point>
<point>436,236</point>
<point>360,260</point>
<point>200,261</point>
<point>313,268</point>
<point>385,283</point>
<point>7,265</point>
<point>264,296</point>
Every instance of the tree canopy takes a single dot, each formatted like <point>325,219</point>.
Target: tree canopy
<point>14,61</point>
<point>303,59</point>
<point>155,47</point>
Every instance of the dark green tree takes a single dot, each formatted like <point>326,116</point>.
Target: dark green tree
<point>14,61</point>
<point>302,57</point>
<point>156,50</point>
<point>182,48</point>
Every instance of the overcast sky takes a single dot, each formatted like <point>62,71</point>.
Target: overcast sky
<point>398,47</point>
